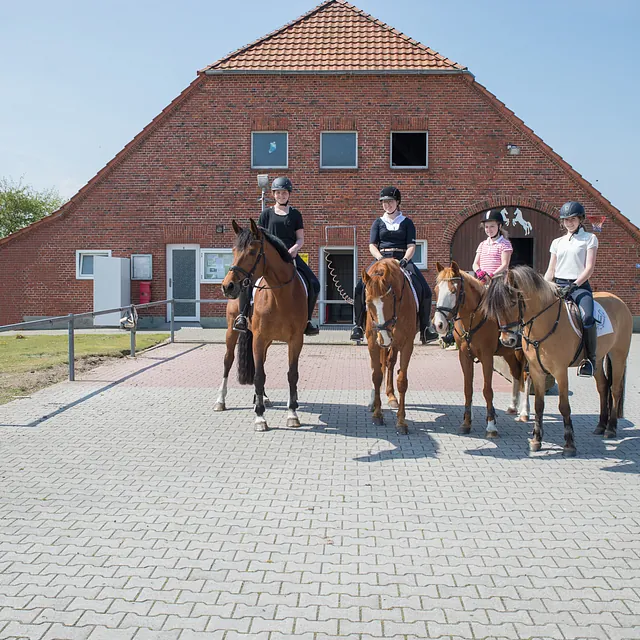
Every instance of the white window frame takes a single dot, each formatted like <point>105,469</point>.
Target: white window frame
<point>204,280</point>
<point>270,166</point>
<point>322,165</point>
<point>422,265</point>
<point>88,252</point>
<point>409,168</point>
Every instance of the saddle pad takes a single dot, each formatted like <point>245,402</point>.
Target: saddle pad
<point>603,323</point>
<point>259,280</point>
<point>407,275</point>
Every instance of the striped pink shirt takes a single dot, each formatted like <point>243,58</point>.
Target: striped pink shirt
<point>490,253</point>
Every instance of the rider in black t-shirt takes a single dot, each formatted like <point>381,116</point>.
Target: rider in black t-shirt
<point>284,222</point>
<point>394,236</point>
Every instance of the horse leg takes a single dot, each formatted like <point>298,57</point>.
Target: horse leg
<point>538,377</point>
<point>602,385</point>
<point>392,358</point>
<point>258,381</point>
<point>565,409</point>
<point>377,363</point>
<point>525,392</point>
<point>231,340</point>
<point>466,363</point>
<point>487,390</point>
<point>294,355</point>
<point>403,384</point>
<point>617,375</point>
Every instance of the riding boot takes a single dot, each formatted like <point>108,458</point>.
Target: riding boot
<point>358,310</point>
<point>426,333</point>
<point>240,324</point>
<point>311,330</point>
<point>587,367</point>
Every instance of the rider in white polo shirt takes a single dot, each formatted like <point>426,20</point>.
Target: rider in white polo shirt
<point>573,259</point>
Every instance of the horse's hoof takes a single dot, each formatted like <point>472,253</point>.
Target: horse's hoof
<point>402,429</point>
<point>219,406</point>
<point>522,418</point>
<point>492,434</point>
<point>293,423</point>
<point>511,411</point>
<point>261,427</point>
<point>393,404</point>
<point>609,434</point>
<point>465,429</point>
<point>378,420</point>
<point>569,452</point>
<point>599,430</point>
<point>534,445</point>
<point>267,402</point>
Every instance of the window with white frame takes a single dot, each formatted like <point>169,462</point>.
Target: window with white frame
<point>84,262</point>
<point>409,149</point>
<point>269,150</point>
<point>214,265</point>
<point>420,256</point>
<point>339,150</point>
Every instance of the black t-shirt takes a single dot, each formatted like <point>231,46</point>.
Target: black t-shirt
<point>283,227</point>
<point>385,238</point>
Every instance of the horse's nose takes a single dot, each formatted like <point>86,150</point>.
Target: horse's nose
<point>508,341</point>
<point>229,289</point>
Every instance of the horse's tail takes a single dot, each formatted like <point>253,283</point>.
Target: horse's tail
<point>246,364</point>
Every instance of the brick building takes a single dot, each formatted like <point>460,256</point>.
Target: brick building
<point>344,105</point>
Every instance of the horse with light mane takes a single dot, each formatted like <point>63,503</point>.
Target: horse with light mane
<point>391,327</point>
<point>279,313</point>
<point>459,297</point>
<point>529,307</point>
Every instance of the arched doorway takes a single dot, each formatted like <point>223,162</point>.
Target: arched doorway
<point>530,233</point>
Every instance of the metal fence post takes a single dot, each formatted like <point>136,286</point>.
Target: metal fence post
<point>172,322</point>
<point>72,353</point>
<point>133,334</point>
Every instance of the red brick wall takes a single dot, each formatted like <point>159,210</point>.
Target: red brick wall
<point>192,168</point>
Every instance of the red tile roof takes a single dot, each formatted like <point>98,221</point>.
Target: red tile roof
<point>334,37</point>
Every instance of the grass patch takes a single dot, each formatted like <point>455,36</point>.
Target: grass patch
<point>31,362</point>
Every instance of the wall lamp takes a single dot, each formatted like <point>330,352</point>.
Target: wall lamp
<point>513,149</point>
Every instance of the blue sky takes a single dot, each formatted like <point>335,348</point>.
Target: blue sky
<point>81,78</point>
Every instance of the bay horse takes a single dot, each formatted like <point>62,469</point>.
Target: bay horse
<point>279,313</point>
<point>390,329</point>
<point>459,297</point>
<point>528,306</point>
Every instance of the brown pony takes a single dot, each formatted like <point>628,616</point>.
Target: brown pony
<point>459,296</point>
<point>526,305</point>
<point>279,313</point>
<point>391,327</point>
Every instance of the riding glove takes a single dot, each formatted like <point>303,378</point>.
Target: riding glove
<point>568,289</point>
<point>403,263</point>
<point>481,275</point>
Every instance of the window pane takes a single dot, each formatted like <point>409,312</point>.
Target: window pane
<point>269,150</point>
<point>417,256</point>
<point>338,150</point>
<point>86,265</point>
<point>409,149</point>
<point>216,264</point>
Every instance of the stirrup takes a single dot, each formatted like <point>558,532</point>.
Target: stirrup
<point>311,330</point>
<point>586,369</point>
<point>428,335</point>
<point>240,324</point>
<point>356,333</point>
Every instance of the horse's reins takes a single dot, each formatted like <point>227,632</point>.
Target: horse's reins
<point>248,275</point>
<point>388,324</point>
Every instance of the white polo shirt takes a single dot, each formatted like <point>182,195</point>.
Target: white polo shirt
<point>571,252</point>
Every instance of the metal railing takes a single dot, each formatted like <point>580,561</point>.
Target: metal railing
<point>132,309</point>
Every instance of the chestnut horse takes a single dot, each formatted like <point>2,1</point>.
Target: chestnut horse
<point>459,296</point>
<point>279,313</point>
<point>391,327</point>
<point>528,306</point>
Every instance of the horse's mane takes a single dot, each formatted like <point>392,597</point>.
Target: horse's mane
<point>381,278</point>
<point>502,295</point>
<point>448,273</point>
<point>245,238</point>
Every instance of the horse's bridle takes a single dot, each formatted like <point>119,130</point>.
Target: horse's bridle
<point>451,313</point>
<point>248,275</point>
<point>391,323</point>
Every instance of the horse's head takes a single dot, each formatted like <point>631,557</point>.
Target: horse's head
<point>248,260</point>
<point>504,303</point>
<point>382,299</point>
<point>449,296</point>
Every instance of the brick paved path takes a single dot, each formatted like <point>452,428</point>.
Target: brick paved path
<point>130,510</point>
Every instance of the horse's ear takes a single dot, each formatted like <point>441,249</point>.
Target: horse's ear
<point>254,228</point>
<point>365,276</point>
<point>236,227</point>
<point>455,267</point>
<point>439,267</point>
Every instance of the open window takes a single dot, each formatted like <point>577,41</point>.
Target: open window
<point>409,149</point>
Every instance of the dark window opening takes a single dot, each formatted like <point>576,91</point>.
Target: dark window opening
<point>522,252</point>
<point>409,149</point>
<point>341,261</point>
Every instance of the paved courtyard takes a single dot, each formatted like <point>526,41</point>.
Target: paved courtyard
<point>130,510</point>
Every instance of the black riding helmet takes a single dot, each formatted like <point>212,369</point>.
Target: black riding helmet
<point>282,183</point>
<point>571,209</point>
<point>391,193</point>
<point>493,216</point>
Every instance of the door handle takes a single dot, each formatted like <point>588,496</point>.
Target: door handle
<point>170,282</point>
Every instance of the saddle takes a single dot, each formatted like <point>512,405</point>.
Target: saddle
<point>603,322</point>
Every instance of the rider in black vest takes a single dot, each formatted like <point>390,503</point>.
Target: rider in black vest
<point>284,222</point>
<point>394,236</point>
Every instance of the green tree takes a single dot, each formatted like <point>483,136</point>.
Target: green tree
<point>21,205</point>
